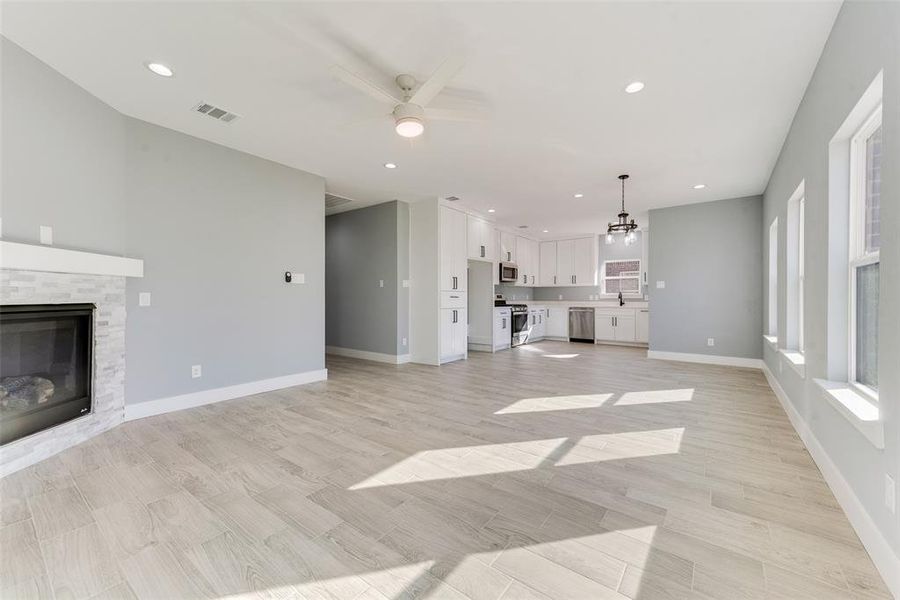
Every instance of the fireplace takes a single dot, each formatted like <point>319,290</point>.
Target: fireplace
<point>46,367</point>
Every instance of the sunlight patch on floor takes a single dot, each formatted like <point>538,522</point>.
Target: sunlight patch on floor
<point>656,397</point>
<point>527,405</point>
<point>560,355</point>
<point>617,446</point>
<point>492,459</point>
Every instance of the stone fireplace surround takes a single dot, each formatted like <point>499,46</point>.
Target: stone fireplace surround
<point>46,275</point>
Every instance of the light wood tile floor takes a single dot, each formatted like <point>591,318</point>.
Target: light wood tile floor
<point>548,471</point>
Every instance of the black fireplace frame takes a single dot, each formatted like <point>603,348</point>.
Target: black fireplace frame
<point>67,411</point>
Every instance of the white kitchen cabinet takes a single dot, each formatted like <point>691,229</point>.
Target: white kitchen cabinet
<point>557,323</point>
<point>585,261</point>
<point>642,325</point>
<point>625,326</point>
<point>528,261</point>
<point>507,247</point>
<point>502,328</point>
<point>565,262</point>
<point>604,327</point>
<point>454,332</point>
<point>618,325</point>
<point>479,237</point>
<point>534,252</point>
<point>547,263</point>
<point>453,255</point>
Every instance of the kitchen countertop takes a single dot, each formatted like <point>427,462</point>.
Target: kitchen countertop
<point>611,303</point>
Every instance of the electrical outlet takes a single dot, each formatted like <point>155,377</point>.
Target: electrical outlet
<point>560,296</point>
<point>144,299</point>
<point>403,342</point>
<point>406,283</point>
<point>46,235</point>
<point>381,283</point>
<point>710,341</point>
<point>196,371</point>
<point>890,493</point>
<point>660,285</point>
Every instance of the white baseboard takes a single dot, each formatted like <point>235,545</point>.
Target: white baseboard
<point>886,561</point>
<point>707,359</point>
<point>394,359</point>
<point>173,403</point>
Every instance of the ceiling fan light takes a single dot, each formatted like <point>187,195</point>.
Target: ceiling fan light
<point>409,127</point>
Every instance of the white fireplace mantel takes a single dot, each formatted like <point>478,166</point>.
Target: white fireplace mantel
<point>31,257</point>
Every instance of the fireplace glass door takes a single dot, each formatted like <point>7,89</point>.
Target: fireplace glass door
<point>45,366</point>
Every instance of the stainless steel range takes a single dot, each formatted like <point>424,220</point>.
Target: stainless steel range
<point>520,327</point>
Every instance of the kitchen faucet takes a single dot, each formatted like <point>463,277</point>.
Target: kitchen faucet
<point>621,301</point>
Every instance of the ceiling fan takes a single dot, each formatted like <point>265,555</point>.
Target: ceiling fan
<point>410,107</point>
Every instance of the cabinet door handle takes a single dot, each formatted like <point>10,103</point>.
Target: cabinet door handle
<point>554,280</point>
<point>454,316</point>
<point>508,255</point>
<point>524,278</point>
<point>454,282</point>
<point>574,278</point>
<point>532,280</point>
<point>503,323</point>
<point>482,252</point>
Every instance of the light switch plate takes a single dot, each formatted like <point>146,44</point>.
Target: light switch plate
<point>144,299</point>
<point>890,493</point>
<point>406,283</point>
<point>660,285</point>
<point>381,283</point>
<point>403,341</point>
<point>46,235</point>
<point>196,371</point>
<point>710,341</point>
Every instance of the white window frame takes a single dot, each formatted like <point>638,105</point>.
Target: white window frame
<point>793,338</point>
<point>801,271</point>
<point>858,256</point>
<point>773,279</point>
<point>604,278</point>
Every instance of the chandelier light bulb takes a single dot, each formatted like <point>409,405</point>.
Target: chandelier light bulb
<point>609,238</point>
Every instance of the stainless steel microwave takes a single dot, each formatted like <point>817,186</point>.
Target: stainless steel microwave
<point>509,271</point>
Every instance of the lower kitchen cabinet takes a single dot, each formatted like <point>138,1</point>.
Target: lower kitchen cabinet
<point>617,325</point>
<point>454,333</point>
<point>642,325</point>
<point>502,328</point>
<point>536,324</point>
<point>557,324</point>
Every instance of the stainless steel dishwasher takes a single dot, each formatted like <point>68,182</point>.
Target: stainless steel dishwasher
<point>581,324</point>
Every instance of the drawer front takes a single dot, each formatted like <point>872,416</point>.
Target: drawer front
<point>454,299</point>
<point>614,312</point>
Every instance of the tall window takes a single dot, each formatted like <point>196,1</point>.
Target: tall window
<point>796,209</point>
<point>865,243</point>
<point>773,278</point>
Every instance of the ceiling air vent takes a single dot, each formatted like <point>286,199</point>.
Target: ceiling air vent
<point>452,198</point>
<point>218,113</point>
<point>332,201</point>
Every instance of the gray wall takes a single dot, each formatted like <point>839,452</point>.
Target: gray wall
<point>710,256</point>
<point>216,229</point>
<point>63,163</point>
<point>865,39</point>
<point>362,248</point>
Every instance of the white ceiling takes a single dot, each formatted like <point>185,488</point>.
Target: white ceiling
<point>723,82</point>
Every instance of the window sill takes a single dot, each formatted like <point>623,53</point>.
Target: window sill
<point>795,360</point>
<point>862,412</point>
<point>772,341</point>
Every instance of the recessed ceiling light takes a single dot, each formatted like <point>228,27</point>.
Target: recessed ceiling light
<point>390,166</point>
<point>699,186</point>
<point>160,69</point>
<point>634,87</point>
<point>491,210</point>
<point>579,195</point>
<point>546,231</point>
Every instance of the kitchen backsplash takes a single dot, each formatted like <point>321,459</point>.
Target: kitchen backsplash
<point>511,292</point>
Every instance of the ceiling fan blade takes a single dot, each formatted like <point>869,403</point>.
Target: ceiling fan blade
<point>364,85</point>
<point>440,78</point>
<point>456,114</point>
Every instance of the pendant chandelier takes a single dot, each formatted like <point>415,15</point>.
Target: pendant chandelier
<point>623,225</point>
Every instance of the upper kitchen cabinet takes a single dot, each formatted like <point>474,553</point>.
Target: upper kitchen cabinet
<point>569,262</point>
<point>480,236</point>
<point>527,260</point>
<point>547,266</point>
<point>586,257</point>
<point>453,255</point>
<point>507,247</point>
